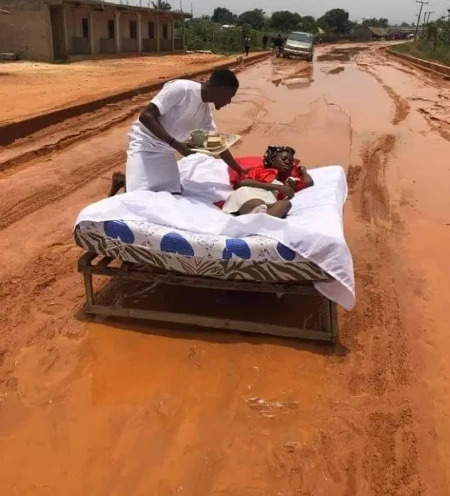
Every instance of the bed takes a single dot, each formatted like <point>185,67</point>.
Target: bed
<point>160,239</point>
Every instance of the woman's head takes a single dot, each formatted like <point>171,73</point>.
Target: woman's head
<point>280,158</point>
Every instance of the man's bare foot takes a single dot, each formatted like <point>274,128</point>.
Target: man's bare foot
<point>117,183</point>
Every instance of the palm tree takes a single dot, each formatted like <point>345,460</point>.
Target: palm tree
<point>161,5</point>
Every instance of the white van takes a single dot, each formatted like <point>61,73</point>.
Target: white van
<point>299,44</point>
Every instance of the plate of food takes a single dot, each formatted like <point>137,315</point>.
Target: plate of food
<point>211,144</point>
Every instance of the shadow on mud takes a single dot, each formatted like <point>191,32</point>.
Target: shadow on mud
<point>337,70</point>
<point>219,304</point>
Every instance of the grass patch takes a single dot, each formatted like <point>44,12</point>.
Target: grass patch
<point>426,51</point>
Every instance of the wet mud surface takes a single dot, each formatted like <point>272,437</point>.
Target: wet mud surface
<point>116,407</point>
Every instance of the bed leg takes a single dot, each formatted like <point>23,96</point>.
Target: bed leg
<point>333,320</point>
<point>89,288</point>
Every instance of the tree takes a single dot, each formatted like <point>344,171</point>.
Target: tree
<point>256,19</point>
<point>336,21</point>
<point>284,21</point>
<point>376,23</point>
<point>308,24</point>
<point>161,5</point>
<point>222,15</point>
<point>405,25</point>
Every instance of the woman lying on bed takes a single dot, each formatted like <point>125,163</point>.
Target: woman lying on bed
<point>268,188</point>
<point>265,188</point>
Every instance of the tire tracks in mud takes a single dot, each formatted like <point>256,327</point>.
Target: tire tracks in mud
<point>11,212</point>
<point>402,107</point>
<point>381,363</point>
<point>44,286</point>
<point>90,130</point>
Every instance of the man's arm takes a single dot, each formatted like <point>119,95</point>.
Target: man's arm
<point>149,118</point>
<point>231,162</point>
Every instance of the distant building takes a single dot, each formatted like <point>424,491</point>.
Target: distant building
<point>60,29</point>
<point>368,33</point>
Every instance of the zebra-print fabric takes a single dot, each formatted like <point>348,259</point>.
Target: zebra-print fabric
<point>218,269</point>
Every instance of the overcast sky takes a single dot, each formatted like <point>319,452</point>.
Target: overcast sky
<point>394,10</point>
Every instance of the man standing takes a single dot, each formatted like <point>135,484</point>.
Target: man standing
<point>163,126</point>
<point>247,45</point>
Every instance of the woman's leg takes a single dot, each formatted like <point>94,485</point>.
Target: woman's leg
<point>280,209</point>
<point>249,206</point>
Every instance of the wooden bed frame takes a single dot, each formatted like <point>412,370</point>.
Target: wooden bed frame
<point>327,309</point>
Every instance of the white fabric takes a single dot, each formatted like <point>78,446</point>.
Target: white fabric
<point>243,195</point>
<point>313,228</point>
<point>152,171</point>
<point>182,110</point>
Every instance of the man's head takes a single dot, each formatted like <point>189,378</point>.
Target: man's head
<point>222,87</point>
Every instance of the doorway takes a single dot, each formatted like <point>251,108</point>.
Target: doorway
<point>58,32</point>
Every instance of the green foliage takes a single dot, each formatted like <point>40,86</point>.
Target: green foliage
<point>434,45</point>
<point>203,34</point>
<point>222,15</point>
<point>161,5</point>
<point>284,21</point>
<point>336,21</point>
<point>308,24</point>
<point>377,23</point>
<point>256,18</point>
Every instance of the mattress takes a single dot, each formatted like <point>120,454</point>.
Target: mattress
<point>252,258</point>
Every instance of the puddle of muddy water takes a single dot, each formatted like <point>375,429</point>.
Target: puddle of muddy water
<point>126,409</point>
<point>341,54</point>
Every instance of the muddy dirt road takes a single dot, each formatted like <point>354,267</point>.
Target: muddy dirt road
<point>115,408</point>
<point>30,88</point>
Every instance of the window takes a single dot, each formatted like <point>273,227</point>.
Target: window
<point>133,30</point>
<point>111,29</point>
<point>165,31</point>
<point>85,27</point>
<point>302,37</point>
<point>151,30</point>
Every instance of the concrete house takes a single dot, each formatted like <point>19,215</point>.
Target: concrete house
<point>61,29</point>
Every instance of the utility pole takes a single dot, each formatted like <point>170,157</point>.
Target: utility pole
<point>422,3</point>
<point>183,27</point>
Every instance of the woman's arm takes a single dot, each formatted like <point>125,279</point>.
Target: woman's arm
<point>252,183</point>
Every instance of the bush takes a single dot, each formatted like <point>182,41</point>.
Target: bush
<point>426,50</point>
<point>202,34</point>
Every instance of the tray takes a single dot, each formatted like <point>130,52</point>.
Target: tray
<point>229,140</point>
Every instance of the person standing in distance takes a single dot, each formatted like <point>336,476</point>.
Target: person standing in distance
<point>247,45</point>
<point>163,126</point>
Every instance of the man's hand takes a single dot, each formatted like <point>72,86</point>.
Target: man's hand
<point>182,148</point>
<point>286,190</point>
<point>244,171</point>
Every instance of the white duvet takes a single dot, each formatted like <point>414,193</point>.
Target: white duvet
<point>314,227</point>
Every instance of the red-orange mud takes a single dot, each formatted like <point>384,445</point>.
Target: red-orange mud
<point>29,88</point>
<point>118,408</point>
